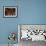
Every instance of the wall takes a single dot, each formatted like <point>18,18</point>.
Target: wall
<point>29,12</point>
<point>32,11</point>
<point>7,25</point>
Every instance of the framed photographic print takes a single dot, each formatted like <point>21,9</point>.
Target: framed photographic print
<point>10,11</point>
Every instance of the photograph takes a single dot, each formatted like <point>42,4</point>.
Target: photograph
<point>10,11</point>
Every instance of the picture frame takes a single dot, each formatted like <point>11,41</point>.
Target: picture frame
<point>10,11</point>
